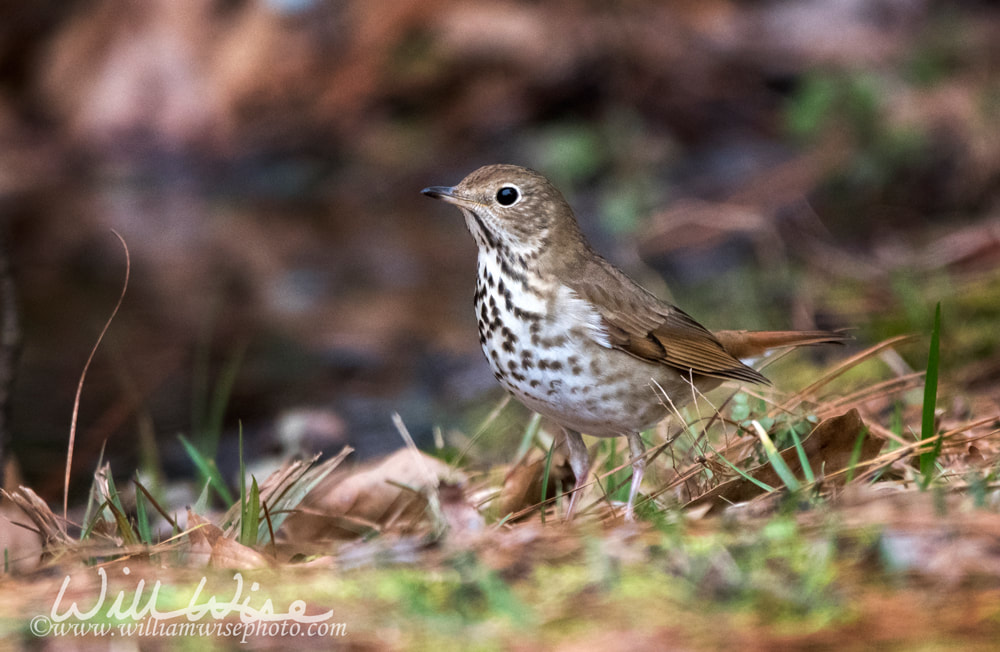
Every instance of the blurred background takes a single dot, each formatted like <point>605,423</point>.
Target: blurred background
<point>765,164</point>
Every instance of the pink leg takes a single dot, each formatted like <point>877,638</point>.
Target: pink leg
<point>579,461</point>
<point>638,452</point>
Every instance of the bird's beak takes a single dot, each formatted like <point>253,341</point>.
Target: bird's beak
<point>446,194</point>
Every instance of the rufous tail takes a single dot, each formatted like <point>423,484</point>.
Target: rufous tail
<point>749,344</point>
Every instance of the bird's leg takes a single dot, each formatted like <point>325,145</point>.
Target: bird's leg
<point>638,451</point>
<point>579,461</point>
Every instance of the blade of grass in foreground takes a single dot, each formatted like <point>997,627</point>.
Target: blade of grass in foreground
<point>800,450</point>
<point>775,458</point>
<point>208,436</point>
<point>928,459</point>
<point>142,524</point>
<point>114,504</point>
<point>250,522</point>
<point>852,464</point>
<point>530,431</point>
<point>209,472</point>
<point>743,474</point>
<point>545,477</point>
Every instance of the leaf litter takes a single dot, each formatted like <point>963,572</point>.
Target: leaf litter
<point>723,531</point>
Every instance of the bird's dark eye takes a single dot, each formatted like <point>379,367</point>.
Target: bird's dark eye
<point>507,195</point>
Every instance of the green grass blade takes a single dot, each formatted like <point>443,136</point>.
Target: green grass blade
<point>529,436</point>
<point>746,476</point>
<point>93,502</point>
<point>243,489</point>
<point>800,450</point>
<point>114,504</point>
<point>614,488</point>
<point>142,518</point>
<point>545,476</point>
<point>209,438</point>
<point>209,472</point>
<point>856,454</point>
<point>928,459</point>
<point>775,458</point>
<point>129,537</point>
<point>250,520</point>
<point>201,505</point>
<point>282,498</point>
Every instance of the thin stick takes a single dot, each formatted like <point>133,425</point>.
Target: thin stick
<point>841,368</point>
<point>83,375</point>
<point>270,527</point>
<point>155,504</point>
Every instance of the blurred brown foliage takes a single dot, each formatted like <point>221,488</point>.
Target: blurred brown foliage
<point>262,159</point>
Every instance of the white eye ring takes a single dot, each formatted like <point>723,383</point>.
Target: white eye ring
<point>508,195</point>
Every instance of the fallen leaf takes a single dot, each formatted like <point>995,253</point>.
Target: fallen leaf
<point>828,448</point>
<point>211,547</point>
<point>522,488</point>
<point>390,493</point>
<point>50,527</point>
<point>227,553</point>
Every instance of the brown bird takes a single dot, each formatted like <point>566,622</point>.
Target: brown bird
<point>573,337</point>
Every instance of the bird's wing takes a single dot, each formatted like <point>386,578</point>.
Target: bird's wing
<point>641,325</point>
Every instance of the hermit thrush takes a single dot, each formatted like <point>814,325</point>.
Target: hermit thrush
<point>573,337</point>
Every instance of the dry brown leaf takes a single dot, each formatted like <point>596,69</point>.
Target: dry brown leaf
<point>227,553</point>
<point>51,527</point>
<point>202,534</point>
<point>380,495</point>
<point>211,547</point>
<point>522,488</point>
<point>21,545</point>
<point>828,448</point>
<point>202,530</point>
